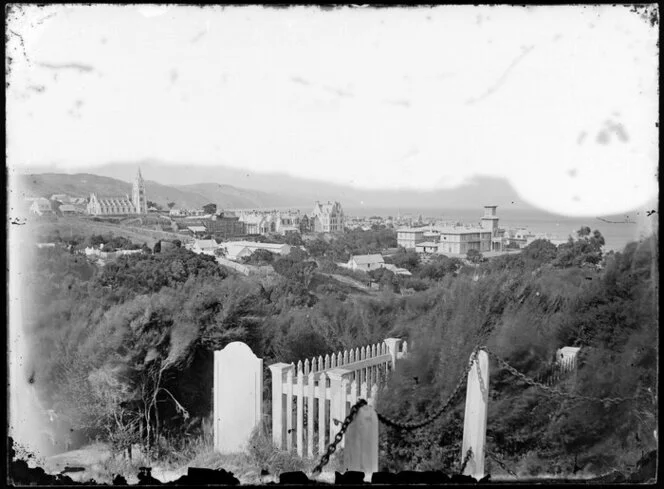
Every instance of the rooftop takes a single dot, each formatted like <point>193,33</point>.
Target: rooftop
<point>206,243</point>
<point>461,230</point>
<point>364,259</point>
<point>253,244</point>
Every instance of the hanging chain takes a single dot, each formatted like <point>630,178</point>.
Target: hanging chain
<point>332,447</point>
<point>465,461</point>
<point>493,457</point>
<point>532,382</point>
<point>483,388</point>
<point>413,426</point>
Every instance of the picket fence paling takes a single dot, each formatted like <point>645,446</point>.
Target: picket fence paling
<point>336,381</point>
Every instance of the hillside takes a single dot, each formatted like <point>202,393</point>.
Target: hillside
<point>189,196</point>
<point>226,196</point>
<point>287,190</point>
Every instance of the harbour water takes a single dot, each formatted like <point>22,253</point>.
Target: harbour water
<point>618,232</point>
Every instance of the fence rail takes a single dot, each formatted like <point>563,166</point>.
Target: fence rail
<point>311,398</point>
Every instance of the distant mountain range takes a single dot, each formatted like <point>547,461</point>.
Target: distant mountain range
<point>185,196</point>
<point>235,188</point>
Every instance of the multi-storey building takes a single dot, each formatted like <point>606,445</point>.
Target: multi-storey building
<point>459,240</point>
<point>410,237</point>
<point>225,225</point>
<point>272,221</point>
<point>328,218</point>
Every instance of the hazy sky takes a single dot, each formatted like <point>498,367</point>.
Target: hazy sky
<point>560,100</point>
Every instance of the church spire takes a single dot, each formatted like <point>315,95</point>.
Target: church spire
<point>139,197</point>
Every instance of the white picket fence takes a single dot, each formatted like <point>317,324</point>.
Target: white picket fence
<point>310,400</point>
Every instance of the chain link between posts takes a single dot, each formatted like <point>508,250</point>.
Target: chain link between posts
<point>332,447</point>
<point>532,382</point>
<point>430,419</point>
<point>409,426</point>
<point>502,465</point>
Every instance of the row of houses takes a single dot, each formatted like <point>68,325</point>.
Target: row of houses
<point>47,207</point>
<point>324,218</point>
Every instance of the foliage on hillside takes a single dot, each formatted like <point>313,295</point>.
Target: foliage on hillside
<point>524,308</point>
<point>132,341</point>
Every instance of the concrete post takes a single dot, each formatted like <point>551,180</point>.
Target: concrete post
<point>337,411</point>
<point>361,450</point>
<point>278,371</point>
<point>475,418</point>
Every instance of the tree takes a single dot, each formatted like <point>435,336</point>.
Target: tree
<point>221,251</point>
<point>298,254</point>
<point>440,266</point>
<point>297,270</point>
<point>293,239</point>
<point>210,208</point>
<point>474,256</point>
<point>318,247</point>
<point>586,249</point>
<point>540,251</point>
<point>407,259</point>
<point>171,205</point>
<point>259,257</point>
<point>386,278</point>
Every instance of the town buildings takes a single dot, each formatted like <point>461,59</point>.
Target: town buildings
<point>186,212</point>
<point>455,239</point>
<point>205,246</point>
<point>272,221</point>
<point>427,247</point>
<point>41,207</point>
<point>325,218</point>
<point>225,225</point>
<point>460,240</point>
<point>328,218</point>
<point>118,206</point>
<point>409,237</point>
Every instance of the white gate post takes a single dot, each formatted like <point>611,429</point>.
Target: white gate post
<point>393,347</point>
<point>361,450</point>
<point>337,410</point>
<point>475,418</point>
<point>278,413</point>
<point>238,396</point>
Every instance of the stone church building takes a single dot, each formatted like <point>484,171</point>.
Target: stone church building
<point>114,206</point>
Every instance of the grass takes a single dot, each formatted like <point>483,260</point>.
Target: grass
<point>174,460</point>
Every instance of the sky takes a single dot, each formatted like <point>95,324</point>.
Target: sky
<point>562,101</point>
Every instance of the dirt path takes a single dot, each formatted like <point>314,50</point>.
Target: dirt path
<point>347,280</point>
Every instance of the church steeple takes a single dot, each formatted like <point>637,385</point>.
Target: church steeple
<point>138,194</point>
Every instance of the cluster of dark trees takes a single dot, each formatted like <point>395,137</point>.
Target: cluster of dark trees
<point>125,351</point>
<point>353,242</point>
<point>524,307</point>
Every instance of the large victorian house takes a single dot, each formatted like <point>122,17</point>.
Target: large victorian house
<point>328,218</point>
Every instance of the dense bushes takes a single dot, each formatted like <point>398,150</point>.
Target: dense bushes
<point>142,329</point>
<point>524,314</point>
